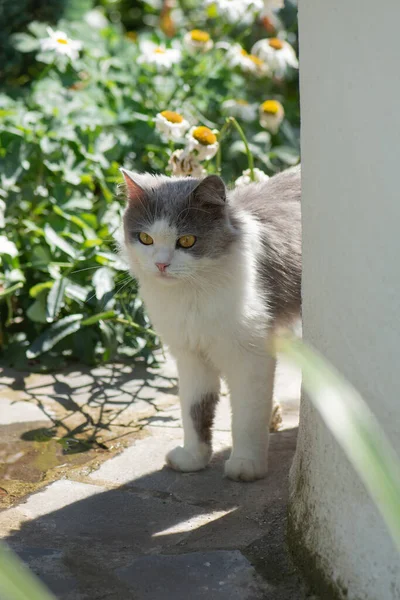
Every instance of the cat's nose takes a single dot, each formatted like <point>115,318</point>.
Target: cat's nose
<point>162,267</point>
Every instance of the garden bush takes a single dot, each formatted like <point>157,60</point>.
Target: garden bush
<point>98,97</point>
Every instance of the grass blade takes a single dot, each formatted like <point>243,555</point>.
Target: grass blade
<point>17,582</point>
<point>354,427</point>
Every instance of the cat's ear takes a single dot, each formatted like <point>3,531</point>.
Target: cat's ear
<point>135,191</point>
<point>211,190</point>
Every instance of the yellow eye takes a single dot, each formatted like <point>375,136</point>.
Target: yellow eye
<point>145,238</point>
<point>186,241</point>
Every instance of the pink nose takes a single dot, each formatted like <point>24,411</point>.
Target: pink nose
<point>162,267</point>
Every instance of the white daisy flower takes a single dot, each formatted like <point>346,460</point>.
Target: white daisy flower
<point>8,247</point>
<point>278,54</point>
<point>183,164</point>
<point>171,124</point>
<point>198,41</point>
<point>59,42</point>
<point>158,54</point>
<point>249,63</point>
<point>245,177</point>
<point>96,19</point>
<point>235,11</point>
<point>271,115</point>
<point>202,142</point>
<point>240,109</point>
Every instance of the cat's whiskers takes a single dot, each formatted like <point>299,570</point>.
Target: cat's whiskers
<point>86,269</point>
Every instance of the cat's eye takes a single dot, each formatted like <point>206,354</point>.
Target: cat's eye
<point>145,238</point>
<point>186,241</point>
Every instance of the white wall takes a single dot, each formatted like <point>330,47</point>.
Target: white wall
<point>350,103</point>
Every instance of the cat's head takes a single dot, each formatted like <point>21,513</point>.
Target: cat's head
<point>175,228</point>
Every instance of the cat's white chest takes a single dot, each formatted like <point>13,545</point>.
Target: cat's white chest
<point>185,320</point>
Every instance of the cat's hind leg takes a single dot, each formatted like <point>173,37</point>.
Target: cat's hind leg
<point>199,393</point>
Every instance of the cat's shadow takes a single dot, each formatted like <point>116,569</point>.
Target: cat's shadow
<point>94,539</point>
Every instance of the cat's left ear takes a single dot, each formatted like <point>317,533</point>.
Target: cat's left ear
<point>211,190</point>
<point>135,191</point>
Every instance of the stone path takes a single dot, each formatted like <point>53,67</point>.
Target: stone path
<point>90,506</point>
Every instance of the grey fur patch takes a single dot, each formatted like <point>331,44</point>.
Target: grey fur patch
<point>202,414</point>
<point>276,205</point>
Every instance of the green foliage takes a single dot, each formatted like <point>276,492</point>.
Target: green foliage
<point>64,133</point>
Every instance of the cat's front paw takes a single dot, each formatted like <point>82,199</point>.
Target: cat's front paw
<point>245,469</point>
<point>183,460</point>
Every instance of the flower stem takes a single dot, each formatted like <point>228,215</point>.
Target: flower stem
<point>246,145</point>
<point>46,70</point>
<point>222,133</point>
<point>135,326</point>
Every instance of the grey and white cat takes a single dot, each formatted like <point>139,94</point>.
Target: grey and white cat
<point>219,271</point>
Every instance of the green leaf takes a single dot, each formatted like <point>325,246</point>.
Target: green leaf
<point>103,281</point>
<point>37,310</point>
<point>287,154</point>
<point>39,287</point>
<point>76,220</point>
<point>109,339</point>
<point>55,299</point>
<point>92,243</point>
<point>75,291</point>
<point>54,334</point>
<point>24,42</point>
<point>103,316</point>
<point>40,256</point>
<point>90,219</point>
<point>53,239</point>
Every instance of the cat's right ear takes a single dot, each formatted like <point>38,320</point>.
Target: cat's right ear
<point>211,190</point>
<point>134,191</point>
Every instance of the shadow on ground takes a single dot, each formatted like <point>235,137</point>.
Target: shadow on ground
<point>91,402</point>
<point>166,536</point>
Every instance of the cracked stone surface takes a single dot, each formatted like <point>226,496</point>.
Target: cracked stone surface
<point>90,506</point>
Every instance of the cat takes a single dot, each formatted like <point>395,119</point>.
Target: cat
<point>218,271</point>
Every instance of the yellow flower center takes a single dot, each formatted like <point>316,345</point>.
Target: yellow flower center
<point>171,116</point>
<point>271,107</point>
<point>159,50</point>
<point>242,102</point>
<point>199,36</point>
<point>275,43</point>
<point>254,59</point>
<point>62,41</point>
<point>243,52</point>
<point>204,136</point>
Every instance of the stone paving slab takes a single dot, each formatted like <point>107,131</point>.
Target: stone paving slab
<point>58,495</point>
<point>126,526</point>
<point>12,411</point>
<point>48,564</point>
<point>147,456</point>
<point>81,529</point>
<point>217,575</point>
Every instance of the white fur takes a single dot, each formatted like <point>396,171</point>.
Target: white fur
<point>214,320</point>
